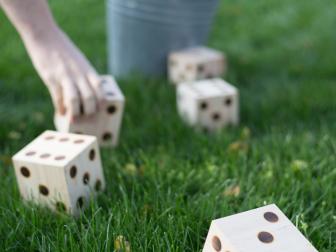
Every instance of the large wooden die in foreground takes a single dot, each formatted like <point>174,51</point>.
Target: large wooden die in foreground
<point>208,104</point>
<point>106,123</point>
<point>196,64</point>
<point>264,229</point>
<point>60,171</point>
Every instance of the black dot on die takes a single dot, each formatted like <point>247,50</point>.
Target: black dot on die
<point>92,154</point>
<point>44,190</point>
<point>80,202</point>
<point>81,109</point>
<point>111,109</point>
<point>98,185</point>
<point>271,217</point>
<point>204,105</point>
<point>73,171</point>
<point>59,158</point>
<point>228,102</point>
<point>216,116</point>
<point>200,68</point>
<point>30,153</point>
<point>103,82</point>
<point>25,172</point>
<point>86,178</point>
<point>107,136</point>
<point>216,243</point>
<point>79,141</point>
<point>265,237</point>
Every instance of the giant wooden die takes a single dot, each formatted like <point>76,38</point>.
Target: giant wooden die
<point>264,229</point>
<point>208,105</point>
<point>196,64</point>
<point>60,170</point>
<point>106,123</point>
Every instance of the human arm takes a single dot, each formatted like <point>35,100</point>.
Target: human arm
<point>70,78</point>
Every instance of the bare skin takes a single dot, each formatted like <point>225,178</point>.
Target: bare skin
<point>70,78</point>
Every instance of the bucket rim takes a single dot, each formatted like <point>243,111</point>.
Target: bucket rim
<point>168,20</point>
<point>163,16</point>
<point>169,6</point>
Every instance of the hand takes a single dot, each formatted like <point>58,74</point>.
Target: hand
<point>71,80</point>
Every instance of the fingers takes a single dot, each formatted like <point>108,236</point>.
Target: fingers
<point>75,97</point>
<point>84,67</point>
<point>57,97</point>
<point>95,81</point>
<point>76,91</point>
<point>70,96</point>
<point>55,91</point>
<point>87,96</point>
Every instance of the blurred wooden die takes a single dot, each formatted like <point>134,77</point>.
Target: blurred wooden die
<point>208,105</point>
<point>106,123</point>
<point>196,64</point>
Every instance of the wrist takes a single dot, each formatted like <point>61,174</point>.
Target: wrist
<point>44,32</point>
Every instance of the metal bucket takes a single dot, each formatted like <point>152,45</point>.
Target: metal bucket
<point>141,33</point>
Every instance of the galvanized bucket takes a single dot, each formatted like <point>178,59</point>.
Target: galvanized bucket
<point>141,33</point>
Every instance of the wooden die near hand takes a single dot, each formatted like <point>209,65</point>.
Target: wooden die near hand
<point>106,123</point>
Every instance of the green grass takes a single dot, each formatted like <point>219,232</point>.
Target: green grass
<point>281,58</point>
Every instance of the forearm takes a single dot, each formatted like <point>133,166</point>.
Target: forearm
<point>73,83</point>
<point>32,18</point>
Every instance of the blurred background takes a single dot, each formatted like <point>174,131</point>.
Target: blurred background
<point>168,180</point>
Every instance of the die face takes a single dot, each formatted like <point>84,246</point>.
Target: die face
<point>105,124</point>
<point>81,126</point>
<point>213,87</point>
<point>84,177</point>
<point>110,89</point>
<point>264,229</point>
<point>54,149</point>
<point>48,189</point>
<point>187,105</point>
<point>211,67</point>
<point>230,101</point>
<point>196,64</point>
<point>214,114</point>
<point>209,105</point>
<point>218,104</point>
<point>44,179</point>
<point>181,69</point>
<point>111,118</point>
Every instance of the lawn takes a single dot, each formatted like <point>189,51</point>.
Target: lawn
<point>166,182</point>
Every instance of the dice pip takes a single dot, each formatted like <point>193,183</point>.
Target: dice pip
<point>106,123</point>
<point>208,105</point>
<point>263,229</point>
<point>196,64</point>
<point>59,170</point>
